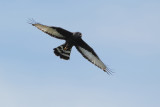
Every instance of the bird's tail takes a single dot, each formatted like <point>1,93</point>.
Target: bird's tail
<point>63,51</point>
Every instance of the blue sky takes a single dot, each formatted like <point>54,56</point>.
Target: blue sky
<point>125,34</point>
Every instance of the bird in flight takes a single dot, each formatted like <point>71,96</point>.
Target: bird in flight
<point>71,39</point>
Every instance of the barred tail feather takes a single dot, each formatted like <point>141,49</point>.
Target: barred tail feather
<point>62,52</point>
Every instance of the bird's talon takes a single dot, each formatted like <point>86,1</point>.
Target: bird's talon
<point>65,48</point>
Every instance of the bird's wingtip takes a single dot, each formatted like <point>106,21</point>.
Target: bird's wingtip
<point>31,21</point>
<point>108,71</point>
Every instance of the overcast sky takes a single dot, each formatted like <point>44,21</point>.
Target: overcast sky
<point>125,34</point>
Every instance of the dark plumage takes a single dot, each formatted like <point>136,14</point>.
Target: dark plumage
<point>72,39</point>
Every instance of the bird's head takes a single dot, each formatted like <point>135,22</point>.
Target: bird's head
<point>78,34</point>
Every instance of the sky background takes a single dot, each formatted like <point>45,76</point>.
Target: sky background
<point>124,33</point>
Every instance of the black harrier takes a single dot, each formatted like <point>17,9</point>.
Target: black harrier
<point>72,39</point>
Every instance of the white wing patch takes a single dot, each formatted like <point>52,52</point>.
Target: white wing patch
<point>92,58</point>
<point>49,30</point>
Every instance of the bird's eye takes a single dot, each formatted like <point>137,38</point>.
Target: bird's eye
<point>80,34</point>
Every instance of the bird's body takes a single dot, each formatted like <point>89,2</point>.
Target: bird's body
<point>72,39</point>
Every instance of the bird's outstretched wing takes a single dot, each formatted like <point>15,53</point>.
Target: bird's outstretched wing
<point>88,53</point>
<point>56,32</point>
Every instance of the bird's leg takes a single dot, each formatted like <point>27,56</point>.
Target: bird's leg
<point>66,47</point>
